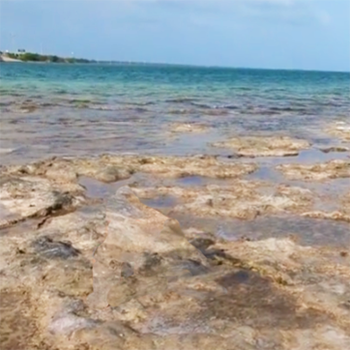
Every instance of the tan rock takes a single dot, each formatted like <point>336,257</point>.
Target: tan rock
<point>120,275</point>
<point>243,200</point>
<point>260,146</point>
<point>340,129</point>
<point>28,197</point>
<point>330,170</point>
<point>109,168</point>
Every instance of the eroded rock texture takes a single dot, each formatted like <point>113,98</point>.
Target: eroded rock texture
<point>260,146</point>
<point>114,273</point>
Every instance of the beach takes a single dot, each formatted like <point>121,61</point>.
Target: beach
<point>174,207</point>
<point>4,58</point>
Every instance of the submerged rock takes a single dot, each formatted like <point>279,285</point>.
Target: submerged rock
<point>341,130</point>
<point>110,168</point>
<point>188,127</point>
<point>243,200</point>
<point>330,170</point>
<point>260,146</point>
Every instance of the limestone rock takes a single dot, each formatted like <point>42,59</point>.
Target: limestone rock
<point>121,275</point>
<point>260,146</point>
<point>28,197</point>
<point>330,170</point>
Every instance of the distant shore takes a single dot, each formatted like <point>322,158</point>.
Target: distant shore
<point>34,57</point>
<point>4,58</point>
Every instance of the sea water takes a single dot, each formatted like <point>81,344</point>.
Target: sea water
<point>88,109</point>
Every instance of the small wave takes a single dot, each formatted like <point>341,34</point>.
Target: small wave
<point>180,100</point>
<point>232,107</point>
<point>7,150</point>
<point>6,104</point>
<point>181,111</point>
<point>148,103</point>
<point>61,92</point>
<point>288,109</point>
<point>201,105</point>
<point>73,101</point>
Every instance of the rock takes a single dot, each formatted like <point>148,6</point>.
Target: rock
<point>29,197</point>
<point>188,127</point>
<point>340,129</point>
<point>51,249</point>
<point>260,146</point>
<point>330,170</point>
<point>121,275</point>
<point>243,200</point>
<point>111,168</point>
<point>61,175</point>
<point>334,149</point>
<point>112,174</point>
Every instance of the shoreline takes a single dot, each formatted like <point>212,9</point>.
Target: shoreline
<point>4,58</point>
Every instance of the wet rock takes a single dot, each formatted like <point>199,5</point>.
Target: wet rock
<point>112,168</point>
<point>61,175</point>
<point>243,200</point>
<point>330,170</point>
<point>32,197</point>
<point>340,129</point>
<point>202,243</point>
<point>112,174</point>
<point>334,149</point>
<point>121,275</point>
<point>188,127</point>
<point>51,249</point>
<point>259,146</point>
<point>28,107</point>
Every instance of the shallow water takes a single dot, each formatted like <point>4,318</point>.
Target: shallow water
<point>88,109</point>
<point>307,231</point>
<point>79,110</point>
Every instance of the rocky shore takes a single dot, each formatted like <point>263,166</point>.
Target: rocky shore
<point>123,252</point>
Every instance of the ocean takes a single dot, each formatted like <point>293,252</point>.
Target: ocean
<point>87,109</point>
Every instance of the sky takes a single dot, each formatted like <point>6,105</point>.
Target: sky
<point>277,34</point>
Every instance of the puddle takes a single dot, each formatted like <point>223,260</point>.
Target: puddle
<point>265,173</point>
<point>96,189</point>
<point>198,181</point>
<point>310,156</point>
<point>161,202</point>
<point>308,231</point>
<point>191,181</point>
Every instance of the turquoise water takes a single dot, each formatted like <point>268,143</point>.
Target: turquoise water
<point>49,109</point>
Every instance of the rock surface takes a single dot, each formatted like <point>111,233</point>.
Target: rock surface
<point>243,200</point>
<point>115,274</point>
<point>260,146</point>
<point>110,168</point>
<point>340,130</point>
<point>316,172</point>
